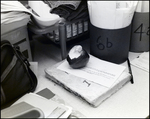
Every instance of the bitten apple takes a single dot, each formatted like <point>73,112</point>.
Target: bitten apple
<point>77,57</point>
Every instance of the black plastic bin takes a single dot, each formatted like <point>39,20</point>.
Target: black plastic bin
<point>140,32</point>
<point>110,44</point>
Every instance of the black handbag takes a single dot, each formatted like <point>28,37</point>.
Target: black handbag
<point>17,78</point>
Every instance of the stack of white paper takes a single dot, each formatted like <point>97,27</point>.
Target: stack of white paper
<point>111,14</point>
<point>95,88</point>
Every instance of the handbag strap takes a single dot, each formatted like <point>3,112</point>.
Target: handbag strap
<point>20,54</point>
<point>30,72</point>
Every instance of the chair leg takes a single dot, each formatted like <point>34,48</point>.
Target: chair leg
<point>63,39</point>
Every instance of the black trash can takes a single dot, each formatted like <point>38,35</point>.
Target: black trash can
<point>110,44</point>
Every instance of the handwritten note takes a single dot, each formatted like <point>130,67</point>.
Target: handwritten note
<point>98,71</point>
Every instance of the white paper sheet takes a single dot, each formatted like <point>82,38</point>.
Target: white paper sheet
<point>142,61</point>
<point>111,14</point>
<point>97,71</point>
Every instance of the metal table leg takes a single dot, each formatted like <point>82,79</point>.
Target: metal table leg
<point>62,38</point>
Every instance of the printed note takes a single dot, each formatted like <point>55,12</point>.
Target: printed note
<point>98,71</point>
